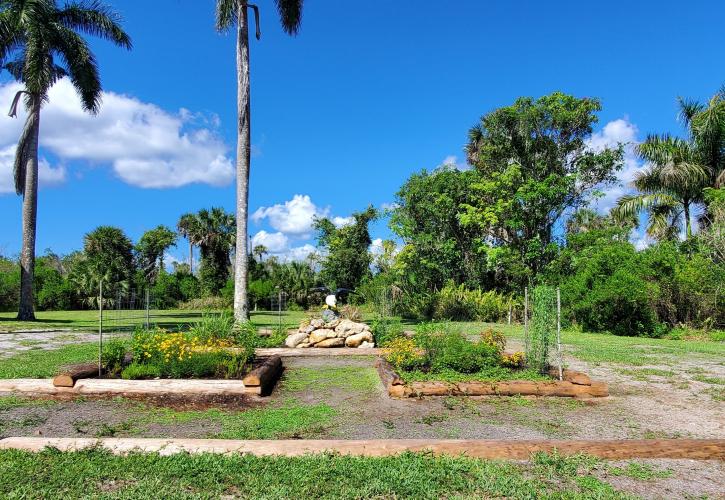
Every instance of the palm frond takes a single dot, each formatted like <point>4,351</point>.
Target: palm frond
<point>664,221</point>
<point>630,205</point>
<point>290,15</point>
<point>82,67</point>
<point>95,18</point>
<point>227,12</point>
<point>23,153</point>
<point>688,109</point>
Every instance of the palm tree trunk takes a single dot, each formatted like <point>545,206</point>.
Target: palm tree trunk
<point>688,225</point>
<point>191,258</point>
<point>241,310</point>
<point>30,220</point>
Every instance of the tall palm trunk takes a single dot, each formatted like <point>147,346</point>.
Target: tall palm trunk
<point>30,215</point>
<point>191,258</point>
<point>688,224</point>
<point>241,311</point>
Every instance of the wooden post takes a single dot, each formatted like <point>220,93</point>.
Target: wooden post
<point>509,313</point>
<point>279,309</point>
<point>526,319</point>
<point>100,328</point>
<point>558,331</point>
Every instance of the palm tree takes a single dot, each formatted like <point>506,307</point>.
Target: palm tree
<point>228,14</point>
<point>186,227</point>
<point>213,231</point>
<point>669,186</point>
<point>678,170</point>
<point>41,43</point>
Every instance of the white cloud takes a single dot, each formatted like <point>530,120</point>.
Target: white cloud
<point>452,161</point>
<point>299,253</point>
<point>615,132</point>
<point>294,217</point>
<point>274,242</point>
<point>342,221</point>
<point>278,245</point>
<point>47,175</point>
<point>376,247</point>
<point>145,145</point>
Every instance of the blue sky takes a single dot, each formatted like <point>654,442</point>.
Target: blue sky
<point>368,93</point>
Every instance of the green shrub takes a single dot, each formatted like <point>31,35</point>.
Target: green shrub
<point>403,354</point>
<point>114,352</point>
<point>136,371</point>
<point>186,355</point>
<point>206,303</point>
<point>214,326</point>
<point>385,330</point>
<point>445,349</point>
<point>460,304</point>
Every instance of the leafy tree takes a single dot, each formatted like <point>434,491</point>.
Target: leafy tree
<point>437,247</point>
<point>53,290</point>
<point>534,166</point>
<point>151,248</point>
<point>230,13</point>
<point>41,43</point>
<point>213,232</point>
<point>9,284</point>
<point>348,257</point>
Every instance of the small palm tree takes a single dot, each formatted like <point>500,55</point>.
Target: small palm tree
<point>186,227</point>
<point>213,232</point>
<point>669,186</point>
<point>678,170</point>
<point>228,14</point>
<point>41,43</point>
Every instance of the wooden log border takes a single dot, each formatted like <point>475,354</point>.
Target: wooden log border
<point>575,384</point>
<point>264,376</point>
<point>615,449</point>
<point>120,387</point>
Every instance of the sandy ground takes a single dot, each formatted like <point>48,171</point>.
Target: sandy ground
<point>12,343</point>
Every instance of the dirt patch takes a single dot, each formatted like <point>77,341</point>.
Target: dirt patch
<point>667,478</point>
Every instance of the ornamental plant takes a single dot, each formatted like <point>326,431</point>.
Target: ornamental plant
<point>184,355</point>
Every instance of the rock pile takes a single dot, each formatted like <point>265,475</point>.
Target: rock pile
<point>337,333</point>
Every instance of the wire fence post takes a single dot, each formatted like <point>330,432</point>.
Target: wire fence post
<point>558,332</point>
<point>279,310</point>
<point>100,328</point>
<point>526,319</point>
<point>510,305</point>
<point>147,308</point>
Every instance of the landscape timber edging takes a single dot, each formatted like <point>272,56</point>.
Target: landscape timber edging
<point>573,385</point>
<point>613,449</point>
<point>120,387</point>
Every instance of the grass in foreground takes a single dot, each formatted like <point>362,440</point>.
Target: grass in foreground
<point>94,473</point>
<point>290,420</point>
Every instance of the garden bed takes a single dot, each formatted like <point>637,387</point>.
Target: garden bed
<point>83,380</point>
<point>575,384</point>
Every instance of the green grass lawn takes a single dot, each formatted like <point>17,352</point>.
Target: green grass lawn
<point>95,473</point>
<point>88,320</point>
